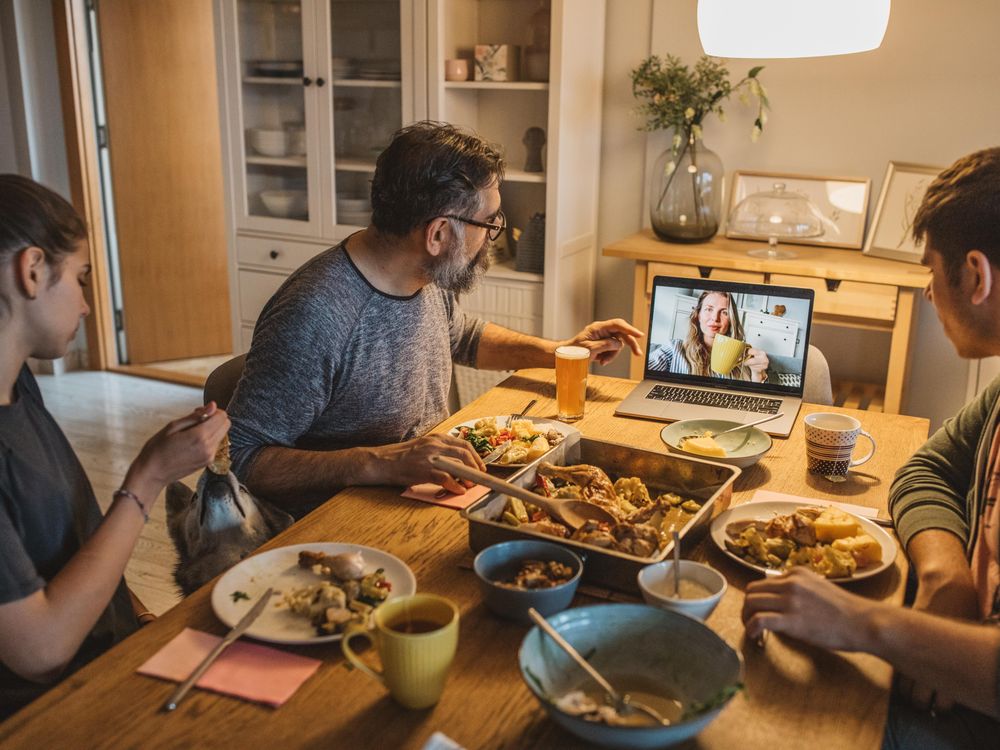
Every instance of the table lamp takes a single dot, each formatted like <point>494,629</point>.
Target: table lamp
<point>776,214</point>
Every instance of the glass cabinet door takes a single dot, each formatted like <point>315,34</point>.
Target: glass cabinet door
<point>278,178</point>
<point>368,68</point>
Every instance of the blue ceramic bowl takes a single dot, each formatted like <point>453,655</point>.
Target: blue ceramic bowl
<point>637,649</point>
<point>502,561</point>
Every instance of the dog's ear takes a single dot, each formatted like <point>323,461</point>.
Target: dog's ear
<point>276,520</point>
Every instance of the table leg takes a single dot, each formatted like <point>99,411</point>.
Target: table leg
<point>899,350</point>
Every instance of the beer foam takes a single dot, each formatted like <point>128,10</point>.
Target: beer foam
<point>573,352</point>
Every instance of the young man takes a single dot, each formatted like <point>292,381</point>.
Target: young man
<point>351,359</point>
<point>944,505</point>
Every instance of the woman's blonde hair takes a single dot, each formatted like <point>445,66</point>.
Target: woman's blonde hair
<point>698,355</point>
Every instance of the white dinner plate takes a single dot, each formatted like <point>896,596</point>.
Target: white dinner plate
<point>279,568</point>
<point>544,424</point>
<point>769,509</point>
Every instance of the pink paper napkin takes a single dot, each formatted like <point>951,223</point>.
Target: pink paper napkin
<point>246,670</point>
<point>427,493</point>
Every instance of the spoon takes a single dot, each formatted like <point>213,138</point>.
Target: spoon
<point>573,513</point>
<point>737,428</point>
<point>677,564</point>
<point>622,702</point>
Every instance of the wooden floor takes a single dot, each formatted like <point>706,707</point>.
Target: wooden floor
<point>107,418</point>
<point>199,366</point>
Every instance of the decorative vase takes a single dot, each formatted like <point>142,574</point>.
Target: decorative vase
<point>686,192</point>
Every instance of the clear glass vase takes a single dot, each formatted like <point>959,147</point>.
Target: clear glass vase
<point>686,192</point>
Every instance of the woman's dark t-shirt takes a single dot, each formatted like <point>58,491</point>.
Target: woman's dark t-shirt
<point>47,511</point>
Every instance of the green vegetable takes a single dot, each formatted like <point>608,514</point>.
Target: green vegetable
<point>717,701</point>
<point>237,595</point>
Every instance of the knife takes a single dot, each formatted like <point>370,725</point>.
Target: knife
<point>229,639</point>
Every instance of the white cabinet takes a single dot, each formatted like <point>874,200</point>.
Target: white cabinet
<point>310,92</point>
<point>567,107</point>
<point>772,333</point>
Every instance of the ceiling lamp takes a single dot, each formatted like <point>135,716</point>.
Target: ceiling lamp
<point>791,28</point>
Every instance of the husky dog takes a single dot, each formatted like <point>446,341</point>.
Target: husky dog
<point>216,526</point>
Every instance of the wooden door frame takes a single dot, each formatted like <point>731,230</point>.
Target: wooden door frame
<point>83,160</point>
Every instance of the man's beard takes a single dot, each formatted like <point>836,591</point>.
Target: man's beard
<point>453,273</point>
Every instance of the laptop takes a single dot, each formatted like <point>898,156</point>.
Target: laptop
<point>680,382</point>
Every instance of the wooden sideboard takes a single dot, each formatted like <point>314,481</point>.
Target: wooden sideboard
<point>852,291</point>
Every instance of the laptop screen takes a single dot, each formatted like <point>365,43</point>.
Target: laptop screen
<point>751,337</point>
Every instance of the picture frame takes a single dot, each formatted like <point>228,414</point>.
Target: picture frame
<point>842,202</point>
<point>902,191</point>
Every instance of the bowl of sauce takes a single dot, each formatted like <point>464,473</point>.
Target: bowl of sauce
<point>701,587</point>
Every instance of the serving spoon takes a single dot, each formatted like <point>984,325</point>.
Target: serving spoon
<point>737,428</point>
<point>622,702</point>
<point>574,513</point>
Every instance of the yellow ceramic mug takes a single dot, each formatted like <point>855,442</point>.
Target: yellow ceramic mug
<point>727,352</point>
<point>416,637</point>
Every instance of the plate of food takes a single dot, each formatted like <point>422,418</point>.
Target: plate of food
<point>527,438</point>
<point>319,589</point>
<point>779,534</point>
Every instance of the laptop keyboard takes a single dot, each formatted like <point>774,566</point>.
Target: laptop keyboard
<point>739,402</point>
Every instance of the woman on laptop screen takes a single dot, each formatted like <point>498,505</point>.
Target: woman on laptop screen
<point>714,346</point>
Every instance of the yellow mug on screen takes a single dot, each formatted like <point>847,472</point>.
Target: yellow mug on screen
<point>727,353</point>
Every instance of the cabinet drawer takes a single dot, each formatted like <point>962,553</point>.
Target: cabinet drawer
<point>853,299</point>
<point>256,288</point>
<point>693,272</point>
<point>277,254</point>
<point>668,269</point>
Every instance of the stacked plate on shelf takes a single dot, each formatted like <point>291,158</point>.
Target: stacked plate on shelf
<point>354,210</point>
<point>275,68</point>
<point>344,67</point>
<point>386,69</point>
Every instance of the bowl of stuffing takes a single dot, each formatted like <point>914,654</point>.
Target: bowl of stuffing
<point>518,575</point>
<point>666,660</point>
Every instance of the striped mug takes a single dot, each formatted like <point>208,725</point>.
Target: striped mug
<point>830,441</point>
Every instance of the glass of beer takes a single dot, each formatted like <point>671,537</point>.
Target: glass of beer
<point>572,363</point>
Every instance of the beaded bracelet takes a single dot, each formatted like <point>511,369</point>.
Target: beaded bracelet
<point>128,493</point>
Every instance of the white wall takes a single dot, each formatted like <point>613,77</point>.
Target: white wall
<point>928,95</point>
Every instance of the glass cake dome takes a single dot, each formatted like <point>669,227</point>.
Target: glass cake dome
<point>776,214</point>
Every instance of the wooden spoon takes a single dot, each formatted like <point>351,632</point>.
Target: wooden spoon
<point>574,513</point>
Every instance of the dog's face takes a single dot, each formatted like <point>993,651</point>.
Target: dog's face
<point>216,526</point>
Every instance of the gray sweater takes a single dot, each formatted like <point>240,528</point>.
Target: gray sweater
<point>942,485</point>
<point>335,363</point>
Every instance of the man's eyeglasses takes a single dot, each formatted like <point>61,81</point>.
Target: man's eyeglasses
<point>493,231</point>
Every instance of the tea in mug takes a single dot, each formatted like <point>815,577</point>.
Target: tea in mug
<point>413,626</point>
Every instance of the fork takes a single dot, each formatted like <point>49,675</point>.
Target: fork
<point>521,413</point>
<point>491,457</point>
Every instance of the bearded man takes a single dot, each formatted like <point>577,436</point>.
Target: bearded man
<point>351,359</point>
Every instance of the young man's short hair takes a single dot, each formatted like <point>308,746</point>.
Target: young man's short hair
<point>961,210</point>
<point>428,170</point>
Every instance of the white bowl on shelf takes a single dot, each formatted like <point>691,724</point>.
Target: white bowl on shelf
<point>354,204</point>
<point>354,218</point>
<point>287,204</point>
<point>269,142</point>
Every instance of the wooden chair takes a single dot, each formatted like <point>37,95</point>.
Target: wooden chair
<point>220,385</point>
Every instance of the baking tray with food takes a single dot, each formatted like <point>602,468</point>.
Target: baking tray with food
<point>649,493</point>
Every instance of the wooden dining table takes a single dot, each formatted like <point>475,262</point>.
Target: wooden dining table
<point>795,696</point>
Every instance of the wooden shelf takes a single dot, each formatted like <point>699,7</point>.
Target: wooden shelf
<point>298,162</point>
<point>273,80</point>
<point>349,164</point>
<point>365,83</point>
<point>506,270</point>
<point>854,395</point>
<point>497,85</point>
<point>519,175</point>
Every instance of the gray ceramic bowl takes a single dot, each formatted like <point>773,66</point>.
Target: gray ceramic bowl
<point>502,561</point>
<point>656,582</point>
<point>743,448</point>
<point>636,648</point>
